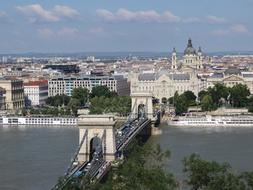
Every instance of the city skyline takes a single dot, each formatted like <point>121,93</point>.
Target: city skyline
<point>117,26</point>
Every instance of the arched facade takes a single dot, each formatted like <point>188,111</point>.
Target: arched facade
<point>96,130</point>
<point>142,101</point>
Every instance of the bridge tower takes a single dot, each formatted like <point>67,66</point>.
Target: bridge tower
<point>142,100</point>
<point>99,128</point>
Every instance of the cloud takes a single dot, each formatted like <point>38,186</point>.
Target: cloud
<point>3,17</point>
<point>36,12</point>
<point>68,32</point>
<point>46,33</point>
<point>220,32</point>
<point>65,32</point>
<point>141,16</point>
<point>239,28</point>
<point>234,29</point>
<point>105,14</point>
<point>3,14</point>
<point>170,17</point>
<point>97,30</point>
<point>216,20</point>
<point>65,11</point>
<point>191,20</point>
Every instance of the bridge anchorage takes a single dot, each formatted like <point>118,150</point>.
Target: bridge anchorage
<point>100,143</point>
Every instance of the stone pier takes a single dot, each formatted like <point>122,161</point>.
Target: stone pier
<point>97,126</point>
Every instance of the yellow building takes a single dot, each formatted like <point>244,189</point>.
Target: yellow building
<point>14,93</point>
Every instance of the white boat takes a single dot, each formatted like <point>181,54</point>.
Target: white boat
<point>66,121</point>
<point>212,121</point>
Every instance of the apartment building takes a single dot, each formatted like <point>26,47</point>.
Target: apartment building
<point>65,85</point>
<point>14,93</point>
<point>36,92</point>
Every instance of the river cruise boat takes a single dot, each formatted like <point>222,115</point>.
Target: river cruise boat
<point>212,121</point>
<point>46,121</point>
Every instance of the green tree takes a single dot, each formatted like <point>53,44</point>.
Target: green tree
<point>218,92</point>
<point>250,104</point>
<point>24,111</point>
<point>74,104</point>
<point>181,105</point>
<point>171,100</point>
<point>239,95</point>
<point>211,175</point>
<point>201,94</point>
<point>138,172</point>
<point>101,91</point>
<point>81,94</point>
<point>190,97</point>
<point>58,100</point>
<point>207,103</point>
<point>164,100</point>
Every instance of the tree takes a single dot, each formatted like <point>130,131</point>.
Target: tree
<point>239,95</point>
<point>250,104</point>
<point>164,100</point>
<point>218,92</point>
<point>207,103</point>
<point>181,105</point>
<point>190,97</point>
<point>81,94</point>
<point>101,91</point>
<point>58,100</point>
<point>171,100</point>
<point>119,104</point>
<point>74,104</point>
<point>211,175</point>
<point>201,94</point>
<point>138,173</point>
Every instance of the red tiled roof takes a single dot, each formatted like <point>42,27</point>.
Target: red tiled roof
<point>35,83</point>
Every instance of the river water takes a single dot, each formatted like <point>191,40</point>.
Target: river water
<point>232,145</point>
<point>33,158</point>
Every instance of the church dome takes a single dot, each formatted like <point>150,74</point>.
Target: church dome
<point>189,49</point>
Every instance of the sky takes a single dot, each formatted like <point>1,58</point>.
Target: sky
<point>56,26</point>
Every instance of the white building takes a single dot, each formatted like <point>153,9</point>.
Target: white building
<point>181,78</point>
<point>65,85</point>
<point>192,59</point>
<point>164,84</point>
<point>231,77</point>
<point>36,92</point>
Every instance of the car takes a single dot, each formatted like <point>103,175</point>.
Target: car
<point>87,167</point>
<point>75,163</point>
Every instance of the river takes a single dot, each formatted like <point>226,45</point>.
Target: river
<point>232,145</point>
<point>33,158</point>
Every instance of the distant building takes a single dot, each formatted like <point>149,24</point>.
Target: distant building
<point>164,84</point>
<point>231,77</point>
<point>14,98</point>
<point>90,59</point>
<point>65,85</point>
<point>36,92</point>
<point>182,76</point>
<point>192,59</point>
<point>2,98</point>
<point>64,68</point>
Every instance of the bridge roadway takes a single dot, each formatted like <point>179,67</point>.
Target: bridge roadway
<point>98,167</point>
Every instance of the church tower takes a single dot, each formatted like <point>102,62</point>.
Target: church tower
<point>174,60</point>
<point>192,58</point>
<point>200,59</point>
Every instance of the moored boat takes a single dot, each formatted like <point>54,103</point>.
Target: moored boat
<point>213,121</point>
